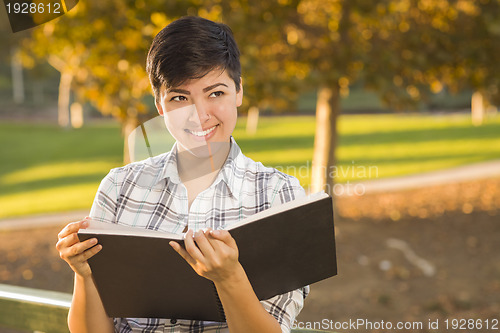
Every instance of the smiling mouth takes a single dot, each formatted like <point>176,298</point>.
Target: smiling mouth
<point>202,133</point>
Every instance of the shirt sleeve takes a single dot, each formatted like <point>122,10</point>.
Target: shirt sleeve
<point>121,325</point>
<point>104,205</point>
<point>286,189</point>
<point>286,307</point>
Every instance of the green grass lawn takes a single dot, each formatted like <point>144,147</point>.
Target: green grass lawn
<point>47,169</point>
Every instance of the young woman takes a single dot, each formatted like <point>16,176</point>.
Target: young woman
<point>203,185</point>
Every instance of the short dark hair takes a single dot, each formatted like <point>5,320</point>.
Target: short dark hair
<point>189,48</point>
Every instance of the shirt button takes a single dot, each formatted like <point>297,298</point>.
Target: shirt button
<point>173,321</point>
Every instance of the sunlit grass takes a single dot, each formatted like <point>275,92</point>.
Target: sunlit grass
<point>375,146</point>
<point>47,169</point>
<point>53,199</point>
<point>51,171</point>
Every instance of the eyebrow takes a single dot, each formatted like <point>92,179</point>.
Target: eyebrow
<point>214,86</point>
<point>186,92</point>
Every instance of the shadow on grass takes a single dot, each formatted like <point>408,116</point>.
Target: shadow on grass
<point>347,169</point>
<point>50,183</point>
<point>487,131</point>
<point>26,146</point>
<point>260,144</point>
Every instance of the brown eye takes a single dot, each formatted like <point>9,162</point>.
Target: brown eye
<point>178,98</point>
<point>216,94</point>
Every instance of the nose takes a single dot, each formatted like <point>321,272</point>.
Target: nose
<point>201,113</point>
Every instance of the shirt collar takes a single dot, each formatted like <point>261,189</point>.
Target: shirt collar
<point>232,167</point>
<point>227,174</point>
<point>170,167</point>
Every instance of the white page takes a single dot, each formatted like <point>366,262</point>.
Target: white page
<point>98,227</point>
<point>280,208</point>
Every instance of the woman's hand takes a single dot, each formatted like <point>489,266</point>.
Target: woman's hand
<point>213,254</point>
<point>74,252</point>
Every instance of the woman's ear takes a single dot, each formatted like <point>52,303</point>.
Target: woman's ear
<point>158,106</point>
<point>239,94</point>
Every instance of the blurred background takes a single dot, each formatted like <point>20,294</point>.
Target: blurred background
<point>390,106</point>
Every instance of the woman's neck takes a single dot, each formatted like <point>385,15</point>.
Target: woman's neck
<point>193,166</point>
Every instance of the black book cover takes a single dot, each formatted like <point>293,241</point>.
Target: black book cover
<point>143,277</point>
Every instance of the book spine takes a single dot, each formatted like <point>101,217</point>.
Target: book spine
<point>219,304</point>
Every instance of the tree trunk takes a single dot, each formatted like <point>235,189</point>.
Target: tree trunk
<point>477,108</point>
<point>325,140</point>
<point>63,112</point>
<point>128,126</point>
<point>252,120</point>
<point>76,112</point>
<point>17,78</point>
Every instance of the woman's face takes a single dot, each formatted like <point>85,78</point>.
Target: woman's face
<point>201,113</point>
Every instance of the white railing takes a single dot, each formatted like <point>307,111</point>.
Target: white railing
<point>39,311</point>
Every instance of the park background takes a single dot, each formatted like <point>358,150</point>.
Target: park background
<point>404,89</point>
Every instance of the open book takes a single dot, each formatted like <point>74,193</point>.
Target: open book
<point>283,248</point>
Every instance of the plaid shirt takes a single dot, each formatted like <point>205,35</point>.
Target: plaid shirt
<point>149,194</point>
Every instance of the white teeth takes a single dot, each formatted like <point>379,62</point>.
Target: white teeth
<point>203,133</point>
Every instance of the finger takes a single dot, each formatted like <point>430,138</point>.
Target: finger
<point>191,247</point>
<point>78,248</point>
<point>91,252</point>
<point>74,227</point>
<point>203,244</point>
<point>69,229</point>
<point>178,248</point>
<point>224,236</point>
<point>222,249</point>
<point>84,246</point>
<point>216,244</point>
<point>67,241</point>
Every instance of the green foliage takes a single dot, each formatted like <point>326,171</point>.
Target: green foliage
<point>403,49</point>
<point>424,46</point>
<point>104,55</point>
